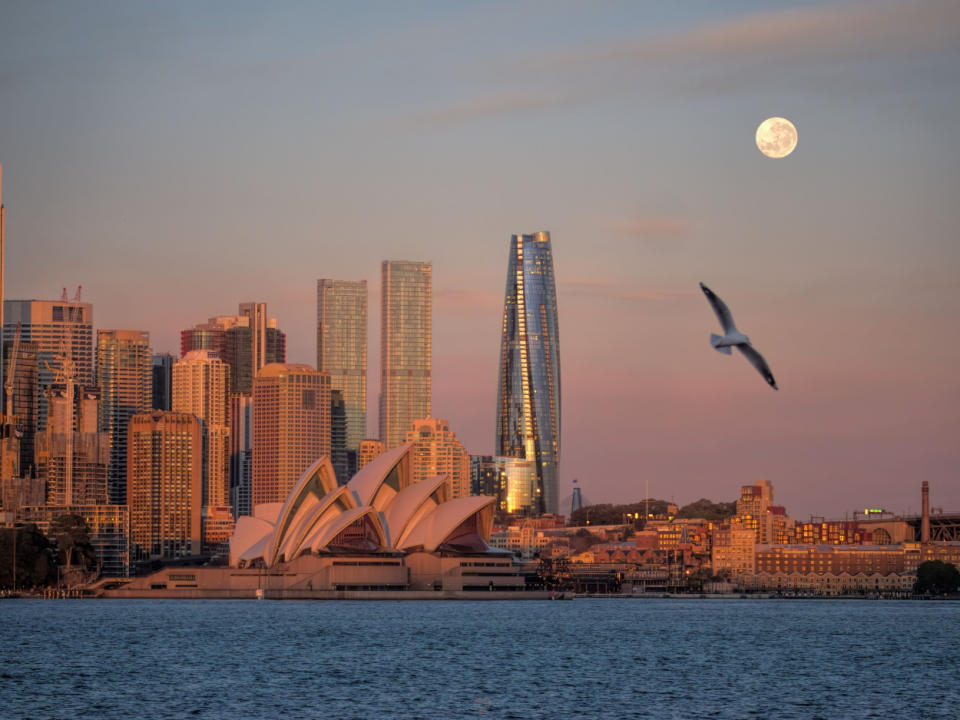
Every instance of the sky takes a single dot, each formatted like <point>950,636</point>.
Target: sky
<point>176,159</point>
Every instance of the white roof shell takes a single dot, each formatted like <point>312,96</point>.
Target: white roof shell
<point>402,514</point>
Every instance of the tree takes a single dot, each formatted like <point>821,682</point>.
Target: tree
<point>34,566</point>
<point>708,510</point>
<point>936,577</point>
<point>72,536</point>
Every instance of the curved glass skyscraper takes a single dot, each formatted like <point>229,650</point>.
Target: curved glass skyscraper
<point>528,402</point>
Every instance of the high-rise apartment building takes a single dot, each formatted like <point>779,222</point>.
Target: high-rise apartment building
<point>162,381</point>
<point>756,511</point>
<point>72,455</point>
<point>405,348</point>
<point>528,401</point>
<point>246,342</point>
<point>437,451</point>
<point>165,484</point>
<point>344,460</point>
<point>342,352</point>
<point>57,327</point>
<point>200,384</point>
<point>125,379</point>
<point>291,427</point>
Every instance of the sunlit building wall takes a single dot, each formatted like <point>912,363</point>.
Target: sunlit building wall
<point>342,349</point>
<point>165,484</point>
<point>291,427</point>
<point>370,449</point>
<point>53,325</point>
<point>513,481</point>
<point>200,384</point>
<point>405,348</point>
<point>125,378</point>
<point>437,451</point>
<point>528,401</point>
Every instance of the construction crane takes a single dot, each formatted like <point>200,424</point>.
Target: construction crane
<point>67,375</point>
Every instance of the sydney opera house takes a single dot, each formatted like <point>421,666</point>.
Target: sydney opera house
<point>380,534</point>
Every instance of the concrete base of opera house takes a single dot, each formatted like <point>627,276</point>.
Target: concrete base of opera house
<point>377,576</point>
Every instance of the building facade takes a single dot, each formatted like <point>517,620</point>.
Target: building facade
<point>246,342</point>
<point>405,348</point>
<point>370,449</point>
<point>125,379</point>
<point>342,350</point>
<point>512,481</point>
<point>528,400</point>
<point>72,456</point>
<point>162,369</point>
<point>200,384</point>
<point>63,333</point>
<point>20,401</point>
<point>165,484</point>
<point>241,452</point>
<point>437,451</point>
<point>291,427</point>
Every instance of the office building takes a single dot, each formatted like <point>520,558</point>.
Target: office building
<point>291,427</point>
<point>63,333</point>
<point>405,348</point>
<point>342,352</point>
<point>528,400</point>
<point>162,381</point>
<point>246,342</point>
<point>200,383</point>
<point>125,379</point>
<point>437,451</point>
<point>165,484</point>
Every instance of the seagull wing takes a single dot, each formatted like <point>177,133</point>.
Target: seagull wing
<point>756,359</point>
<point>720,308</point>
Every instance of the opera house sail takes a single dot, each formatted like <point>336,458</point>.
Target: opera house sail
<point>528,401</point>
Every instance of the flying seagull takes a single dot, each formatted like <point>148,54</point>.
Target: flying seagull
<point>734,338</point>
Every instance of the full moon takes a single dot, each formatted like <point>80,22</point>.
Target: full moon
<point>776,137</point>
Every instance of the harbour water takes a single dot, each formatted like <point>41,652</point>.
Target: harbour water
<point>590,658</point>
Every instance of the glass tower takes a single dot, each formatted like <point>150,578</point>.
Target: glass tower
<point>342,350</point>
<point>405,345</point>
<point>125,377</point>
<point>528,401</point>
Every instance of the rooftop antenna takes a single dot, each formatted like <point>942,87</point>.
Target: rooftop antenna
<point>64,297</point>
<point>77,296</point>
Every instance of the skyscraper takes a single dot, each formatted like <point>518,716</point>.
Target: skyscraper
<point>437,451</point>
<point>200,383</point>
<point>405,348</point>
<point>165,484</point>
<point>246,342</point>
<point>162,381</point>
<point>512,481</point>
<point>291,427</point>
<point>528,401</point>
<point>342,352</point>
<point>125,378</point>
<point>55,326</point>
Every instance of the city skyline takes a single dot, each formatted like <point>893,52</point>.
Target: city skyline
<point>640,126</point>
